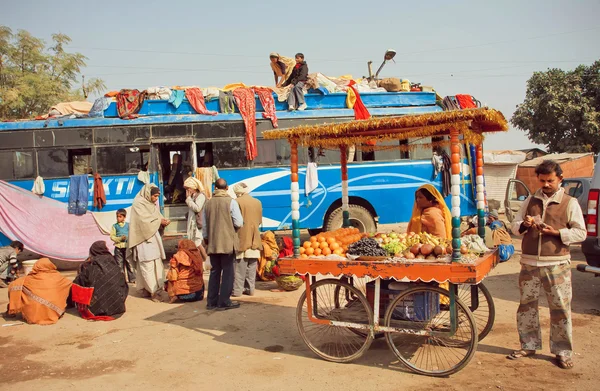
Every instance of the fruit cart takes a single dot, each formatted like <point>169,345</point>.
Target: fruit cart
<point>430,329</point>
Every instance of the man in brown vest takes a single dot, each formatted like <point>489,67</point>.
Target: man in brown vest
<point>550,221</point>
<point>221,220</point>
<point>250,241</point>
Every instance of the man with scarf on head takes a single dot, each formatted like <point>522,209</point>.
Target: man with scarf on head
<point>195,199</point>
<point>145,241</point>
<point>222,219</point>
<point>250,241</point>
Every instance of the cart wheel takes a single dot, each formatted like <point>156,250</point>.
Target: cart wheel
<point>441,354</point>
<point>485,313</point>
<point>335,343</point>
<point>361,285</point>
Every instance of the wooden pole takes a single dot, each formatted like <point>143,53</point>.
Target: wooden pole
<point>345,199</point>
<point>480,195</point>
<point>455,191</point>
<point>295,194</point>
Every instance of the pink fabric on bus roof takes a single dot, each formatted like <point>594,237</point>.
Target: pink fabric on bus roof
<point>44,226</point>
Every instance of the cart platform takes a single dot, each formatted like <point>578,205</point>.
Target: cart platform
<point>456,273</point>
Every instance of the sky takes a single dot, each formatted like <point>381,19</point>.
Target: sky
<point>485,49</point>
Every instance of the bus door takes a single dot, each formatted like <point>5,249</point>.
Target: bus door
<point>175,161</point>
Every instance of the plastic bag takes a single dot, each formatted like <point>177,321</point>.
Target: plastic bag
<point>505,251</point>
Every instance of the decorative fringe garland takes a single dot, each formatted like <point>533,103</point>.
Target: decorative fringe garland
<point>469,136</point>
<point>471,124</point>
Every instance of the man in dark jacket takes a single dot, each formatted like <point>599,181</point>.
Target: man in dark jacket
<point>222,219</point>
<point>297,79</point>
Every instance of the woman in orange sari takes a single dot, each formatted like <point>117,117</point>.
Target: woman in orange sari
<point>430,213</point>
<point>41,296</point>
<point>185,279</point>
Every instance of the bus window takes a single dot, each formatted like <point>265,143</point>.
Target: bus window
<point>330,156</point>
<point>53,163</point>
<point>205,155</point>
<point>276,153</point>
<point>80,161</point>
<point>122,160</point>
<point>420,151</point>
<point>17,165</point>
<point>230,154</point>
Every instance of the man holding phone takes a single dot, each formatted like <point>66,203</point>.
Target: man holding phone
<point>549,221</point>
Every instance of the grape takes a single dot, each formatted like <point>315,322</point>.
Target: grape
<point>367,247</point>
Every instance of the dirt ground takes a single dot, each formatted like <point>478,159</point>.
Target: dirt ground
<point>184,346</point>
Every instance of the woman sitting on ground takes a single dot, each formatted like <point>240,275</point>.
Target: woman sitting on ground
<point>185,279</point>
<point>41,296</point>
<point>99,291</point>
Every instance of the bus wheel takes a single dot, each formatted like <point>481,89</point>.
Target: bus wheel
<point>360,218</point>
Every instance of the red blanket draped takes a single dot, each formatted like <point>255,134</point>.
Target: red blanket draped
<point>244,97</point>
<point>268,103</point>
<point>196,98</point>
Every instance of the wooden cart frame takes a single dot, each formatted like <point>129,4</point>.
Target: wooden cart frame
<point>462,127</point>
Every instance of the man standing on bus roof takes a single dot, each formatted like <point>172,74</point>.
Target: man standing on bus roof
<point>222,219</point>
<point>8,262</point>
<point>550,221</point>
<point>297,79</point>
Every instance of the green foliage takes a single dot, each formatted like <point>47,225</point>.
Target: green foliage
<point>562,109</point>
<point>34,77</point>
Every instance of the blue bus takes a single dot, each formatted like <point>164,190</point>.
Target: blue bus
<point>381,183</point>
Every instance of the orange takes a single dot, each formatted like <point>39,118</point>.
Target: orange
<point>330,241</point>
<point>306,244</point>
<point>310,251</point>
<point>324,245</point>
<point>302,250</point>
<point>317,252</point>
<point>334,246</point>
<point>321,238</point>
<point>303,256</point>
<point>313,239</point>
<point>326,251</point>
<point>316,245</point>
<point>338,251</point>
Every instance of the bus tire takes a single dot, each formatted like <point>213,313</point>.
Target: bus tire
<point>360,218</point>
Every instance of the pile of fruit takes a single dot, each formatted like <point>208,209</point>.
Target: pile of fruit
<point>333,242</point>
<point>416,246</point>
<point>367,247</point>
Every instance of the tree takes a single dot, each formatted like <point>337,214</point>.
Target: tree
<point>562,109</point>
<point>34,77</point>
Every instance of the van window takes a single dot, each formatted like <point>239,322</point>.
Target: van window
<point>17,165</point>
<point>122,160</point>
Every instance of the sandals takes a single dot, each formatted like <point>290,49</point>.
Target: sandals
<point>564,362</point>
<point>517,354</point>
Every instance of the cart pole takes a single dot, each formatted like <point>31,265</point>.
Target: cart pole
<point>295,192</point>
<point>345,200</point>
<point>455,191</point>
<point>480,193</point>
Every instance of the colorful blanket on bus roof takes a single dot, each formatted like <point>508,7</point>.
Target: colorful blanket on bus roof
<point>129,103</point>
<point>265,95</point>
<point>45,226</point>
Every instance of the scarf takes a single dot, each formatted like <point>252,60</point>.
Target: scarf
<point>41,296</point>
<point>129,103</point>
<point>414,225</point>
<point>145,217</point>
